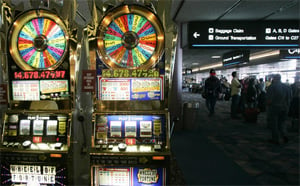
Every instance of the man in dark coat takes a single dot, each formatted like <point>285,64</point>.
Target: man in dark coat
<point>212,88</point>
<point>278,102</point>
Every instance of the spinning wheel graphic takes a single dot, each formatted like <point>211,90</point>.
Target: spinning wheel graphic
<point>131,37</point>
<point>38,40</point>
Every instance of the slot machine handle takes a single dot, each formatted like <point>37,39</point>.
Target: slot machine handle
<point>175,119</point>
<point>83,148</point>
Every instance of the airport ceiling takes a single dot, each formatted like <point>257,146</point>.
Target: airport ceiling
<point>184,11</point>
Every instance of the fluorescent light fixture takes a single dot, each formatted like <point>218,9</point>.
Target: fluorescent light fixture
<point>215,65</point>
<point>215,57</point>
<point>268,54</point>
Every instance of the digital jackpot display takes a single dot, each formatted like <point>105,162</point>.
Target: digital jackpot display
<point>131,37</point>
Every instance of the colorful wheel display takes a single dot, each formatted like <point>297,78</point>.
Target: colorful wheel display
<point>38,40</point>
<point>131,37</point>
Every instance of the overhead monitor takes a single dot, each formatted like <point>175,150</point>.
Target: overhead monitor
<point>236,57</point>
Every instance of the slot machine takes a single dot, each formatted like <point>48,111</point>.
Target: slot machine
<point>35,140</point>
<point>130,133</point>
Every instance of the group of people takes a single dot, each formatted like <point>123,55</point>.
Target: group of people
<point>278,99</point>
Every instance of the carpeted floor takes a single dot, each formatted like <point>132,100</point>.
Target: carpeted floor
<point>243,143</point>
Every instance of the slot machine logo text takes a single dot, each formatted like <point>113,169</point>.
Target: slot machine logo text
<point>33,173</point>
<point>147,176</point>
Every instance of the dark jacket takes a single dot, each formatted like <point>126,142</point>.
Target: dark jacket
<point>212,86</point>
<point>279,96</point>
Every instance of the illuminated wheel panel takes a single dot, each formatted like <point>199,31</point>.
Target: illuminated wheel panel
<point>38,40</point>
<point>130,37</point>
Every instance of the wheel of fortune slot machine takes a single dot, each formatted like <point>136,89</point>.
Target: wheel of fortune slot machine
<point>36,137</point>
<point>130,144</point>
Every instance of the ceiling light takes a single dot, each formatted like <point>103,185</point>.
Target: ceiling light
<point>220,64</point>
<point>215,57</point>
<point>268,54</point>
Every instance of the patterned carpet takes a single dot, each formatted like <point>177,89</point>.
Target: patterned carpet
<point>245,143</point>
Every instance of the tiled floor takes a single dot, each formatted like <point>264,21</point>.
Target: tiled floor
<point>242,142</point>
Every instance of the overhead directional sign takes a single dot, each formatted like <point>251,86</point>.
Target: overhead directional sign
<point>252,34</point>
<point>196,35</point>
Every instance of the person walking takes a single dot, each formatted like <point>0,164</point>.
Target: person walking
<point>279,96</point>
<point>235,94</point>
<point>294,107</point>
<point>261,99</point>
<point>212,88</point>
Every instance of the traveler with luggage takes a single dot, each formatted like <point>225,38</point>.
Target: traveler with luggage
<point>235,94</point>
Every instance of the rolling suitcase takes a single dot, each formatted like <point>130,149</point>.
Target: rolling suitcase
<point>251,115</point>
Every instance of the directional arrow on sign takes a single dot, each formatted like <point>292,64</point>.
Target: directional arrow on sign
<point>196,35</point>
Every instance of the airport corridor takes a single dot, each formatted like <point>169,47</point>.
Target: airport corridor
<point>218,150</point>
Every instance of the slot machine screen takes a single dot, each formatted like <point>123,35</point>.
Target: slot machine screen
<point>26,90</point>
<point>37,90</point>
<point>130,176</point>
<point>24,127</point>
<point>142,89</point>
<point>38,127</point>
<point>51,128</point>
<point>115,128</point>
<point>130,128</point>
<point>54,86</point>
<point>137,129</point>
<point>48,128</point>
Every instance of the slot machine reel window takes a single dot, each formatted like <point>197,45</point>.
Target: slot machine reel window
<point>130,129</point>
<point>38,41</point>
<point>47,128</point>
<point>130,37</point>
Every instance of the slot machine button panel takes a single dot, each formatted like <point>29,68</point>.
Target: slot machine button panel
<point>10,144</point>
<point>122,146</point>
<point>110,147</point>
<point>157,147</point>
<point>26,144</point>
<point>16,145</point>
<point>58,145</point>
<point>5,143</point>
